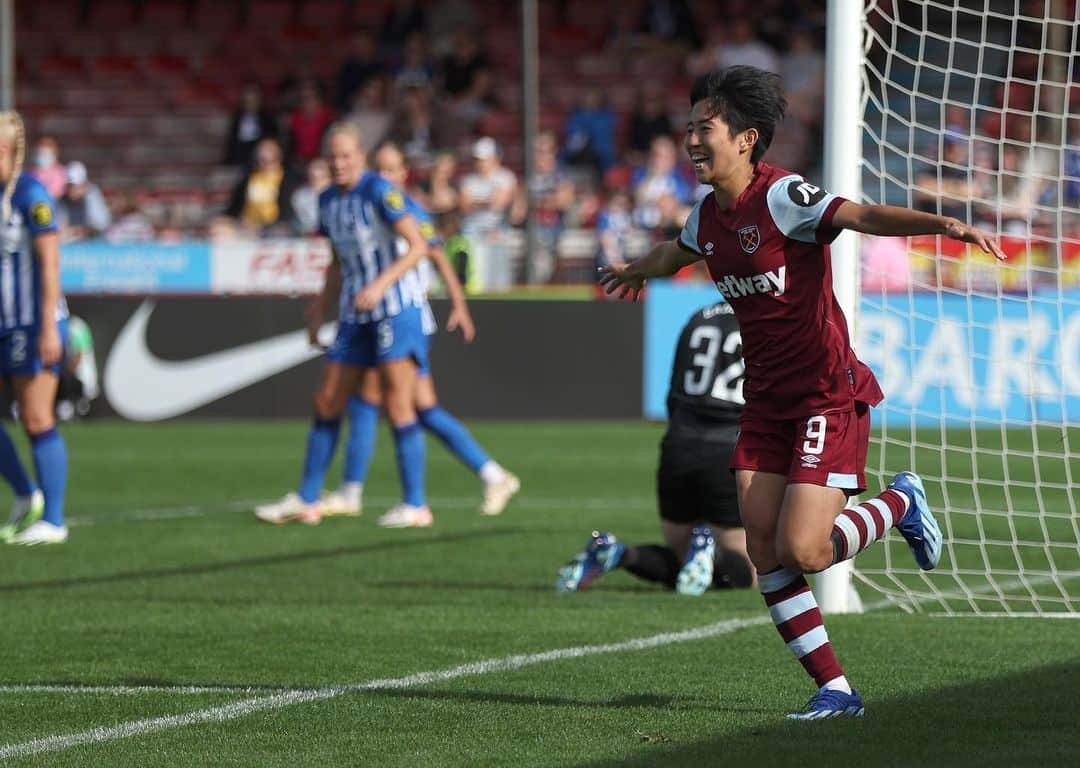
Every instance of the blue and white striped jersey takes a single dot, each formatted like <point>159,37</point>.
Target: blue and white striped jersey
<point>360,226</point>
<point>432,238</point>
<point>33,212</point>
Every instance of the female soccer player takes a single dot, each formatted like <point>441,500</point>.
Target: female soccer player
<point>764,233</point>
<point>380,305</point>
<point>32,318</point>
<point>499,485</point>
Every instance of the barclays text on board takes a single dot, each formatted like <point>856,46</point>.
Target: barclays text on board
<point>940,358</point>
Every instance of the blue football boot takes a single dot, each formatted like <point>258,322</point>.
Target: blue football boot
<point>697,574</point>
<point>826,703</point>
<point>918,526</point>
<point>601,554</point>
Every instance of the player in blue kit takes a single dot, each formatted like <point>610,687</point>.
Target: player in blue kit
<point>380,323</point>
<point>499,485</point>
<point>33,314</point>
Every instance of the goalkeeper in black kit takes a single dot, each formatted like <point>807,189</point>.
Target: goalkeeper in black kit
<point>705,544</point>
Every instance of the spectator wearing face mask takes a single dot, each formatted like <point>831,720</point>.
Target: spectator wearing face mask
<point>82,210</point>
<point>46,167</point>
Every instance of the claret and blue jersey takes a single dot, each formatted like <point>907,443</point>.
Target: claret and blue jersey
<point>33,212</point>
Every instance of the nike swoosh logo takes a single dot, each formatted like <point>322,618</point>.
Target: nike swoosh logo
<point>142,387</point>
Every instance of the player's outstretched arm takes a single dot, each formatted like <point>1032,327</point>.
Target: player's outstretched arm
<point>893,220</point>
<point>664,260</point>
<point>460,316</point>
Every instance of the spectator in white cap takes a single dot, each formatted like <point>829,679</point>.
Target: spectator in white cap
<point>82,210</point>
<point>486,196</point>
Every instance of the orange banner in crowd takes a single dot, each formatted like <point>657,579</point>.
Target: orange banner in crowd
<point>938,262</point>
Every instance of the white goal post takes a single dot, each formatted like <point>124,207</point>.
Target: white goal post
<point>963,107</point>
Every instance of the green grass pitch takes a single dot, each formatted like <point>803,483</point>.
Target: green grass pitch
<point>173,629</point>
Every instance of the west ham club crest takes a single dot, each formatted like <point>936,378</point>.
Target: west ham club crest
<point>749,238</point>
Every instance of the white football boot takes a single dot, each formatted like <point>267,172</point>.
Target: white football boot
<point>345,502</point>
<point>407,516</point>
<point>41,533</point>
<point>498,494</point>
<point>290,509</point>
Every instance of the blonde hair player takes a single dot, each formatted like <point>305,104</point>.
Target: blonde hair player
<point>33,318</point>
<point>380,302</point>
<point>499,485</point>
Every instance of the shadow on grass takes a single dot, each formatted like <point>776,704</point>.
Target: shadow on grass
<point>1027,719</point>
<point>498,586</point>
<point>254,562</point>
<point>633,701</point>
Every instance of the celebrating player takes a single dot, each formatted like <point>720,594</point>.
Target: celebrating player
<point>499,485</point>
<point>379,323</point>
<point>704,402</point>
<point>33,314</point>
<point>764,233</point>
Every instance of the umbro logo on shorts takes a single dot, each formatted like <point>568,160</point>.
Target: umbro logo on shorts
<point>810,462</point>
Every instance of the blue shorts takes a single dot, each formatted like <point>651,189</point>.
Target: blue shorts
<point>367,345</point>
<point>20,354</point>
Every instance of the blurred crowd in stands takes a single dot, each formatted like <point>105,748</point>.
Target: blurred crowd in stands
<point>440,79</point>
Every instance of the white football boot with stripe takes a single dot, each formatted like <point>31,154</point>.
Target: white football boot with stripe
<point>407,516</point>
<point>290,509</point>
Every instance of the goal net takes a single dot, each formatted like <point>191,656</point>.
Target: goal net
<point>966,112</point>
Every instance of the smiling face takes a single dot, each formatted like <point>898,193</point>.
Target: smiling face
<point>715,153</point>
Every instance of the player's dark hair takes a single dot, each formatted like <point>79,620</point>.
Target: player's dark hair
<point>744,97</point>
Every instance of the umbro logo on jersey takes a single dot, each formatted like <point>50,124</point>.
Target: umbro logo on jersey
<point>749,238</point>
<point>773,281</point>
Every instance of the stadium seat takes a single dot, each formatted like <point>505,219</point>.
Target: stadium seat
<point>59,67</point>
<point>165,14</point>
<point>116,67</point>
<point>270,14</point>
<point>111,14</point>
<point>323,14</point>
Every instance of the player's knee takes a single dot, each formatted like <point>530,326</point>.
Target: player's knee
<point>802,556</point>
<point>326,406</point>
<point>36,423</point>
<point>400,411</point>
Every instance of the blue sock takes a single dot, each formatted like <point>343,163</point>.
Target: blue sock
<point>51,464</point>
<point>455,436</point>
<point>11,467</point>
<point>322,440</point>
<point>363,417</point>
<point>409,441</point>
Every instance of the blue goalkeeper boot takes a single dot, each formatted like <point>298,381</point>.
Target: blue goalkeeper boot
<point>697,574</point>
<point>918,526</point>
<point>826,703</point>
<point>601,554</point>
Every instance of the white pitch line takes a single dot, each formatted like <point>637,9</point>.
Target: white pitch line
<point>301,696</point>
<point>134,690</point>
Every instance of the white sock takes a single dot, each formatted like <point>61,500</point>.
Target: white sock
<point>492,473</point>
<point>352,491</point>
<point>838,684</point>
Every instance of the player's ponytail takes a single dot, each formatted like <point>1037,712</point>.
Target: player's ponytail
<point>11,127</point>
